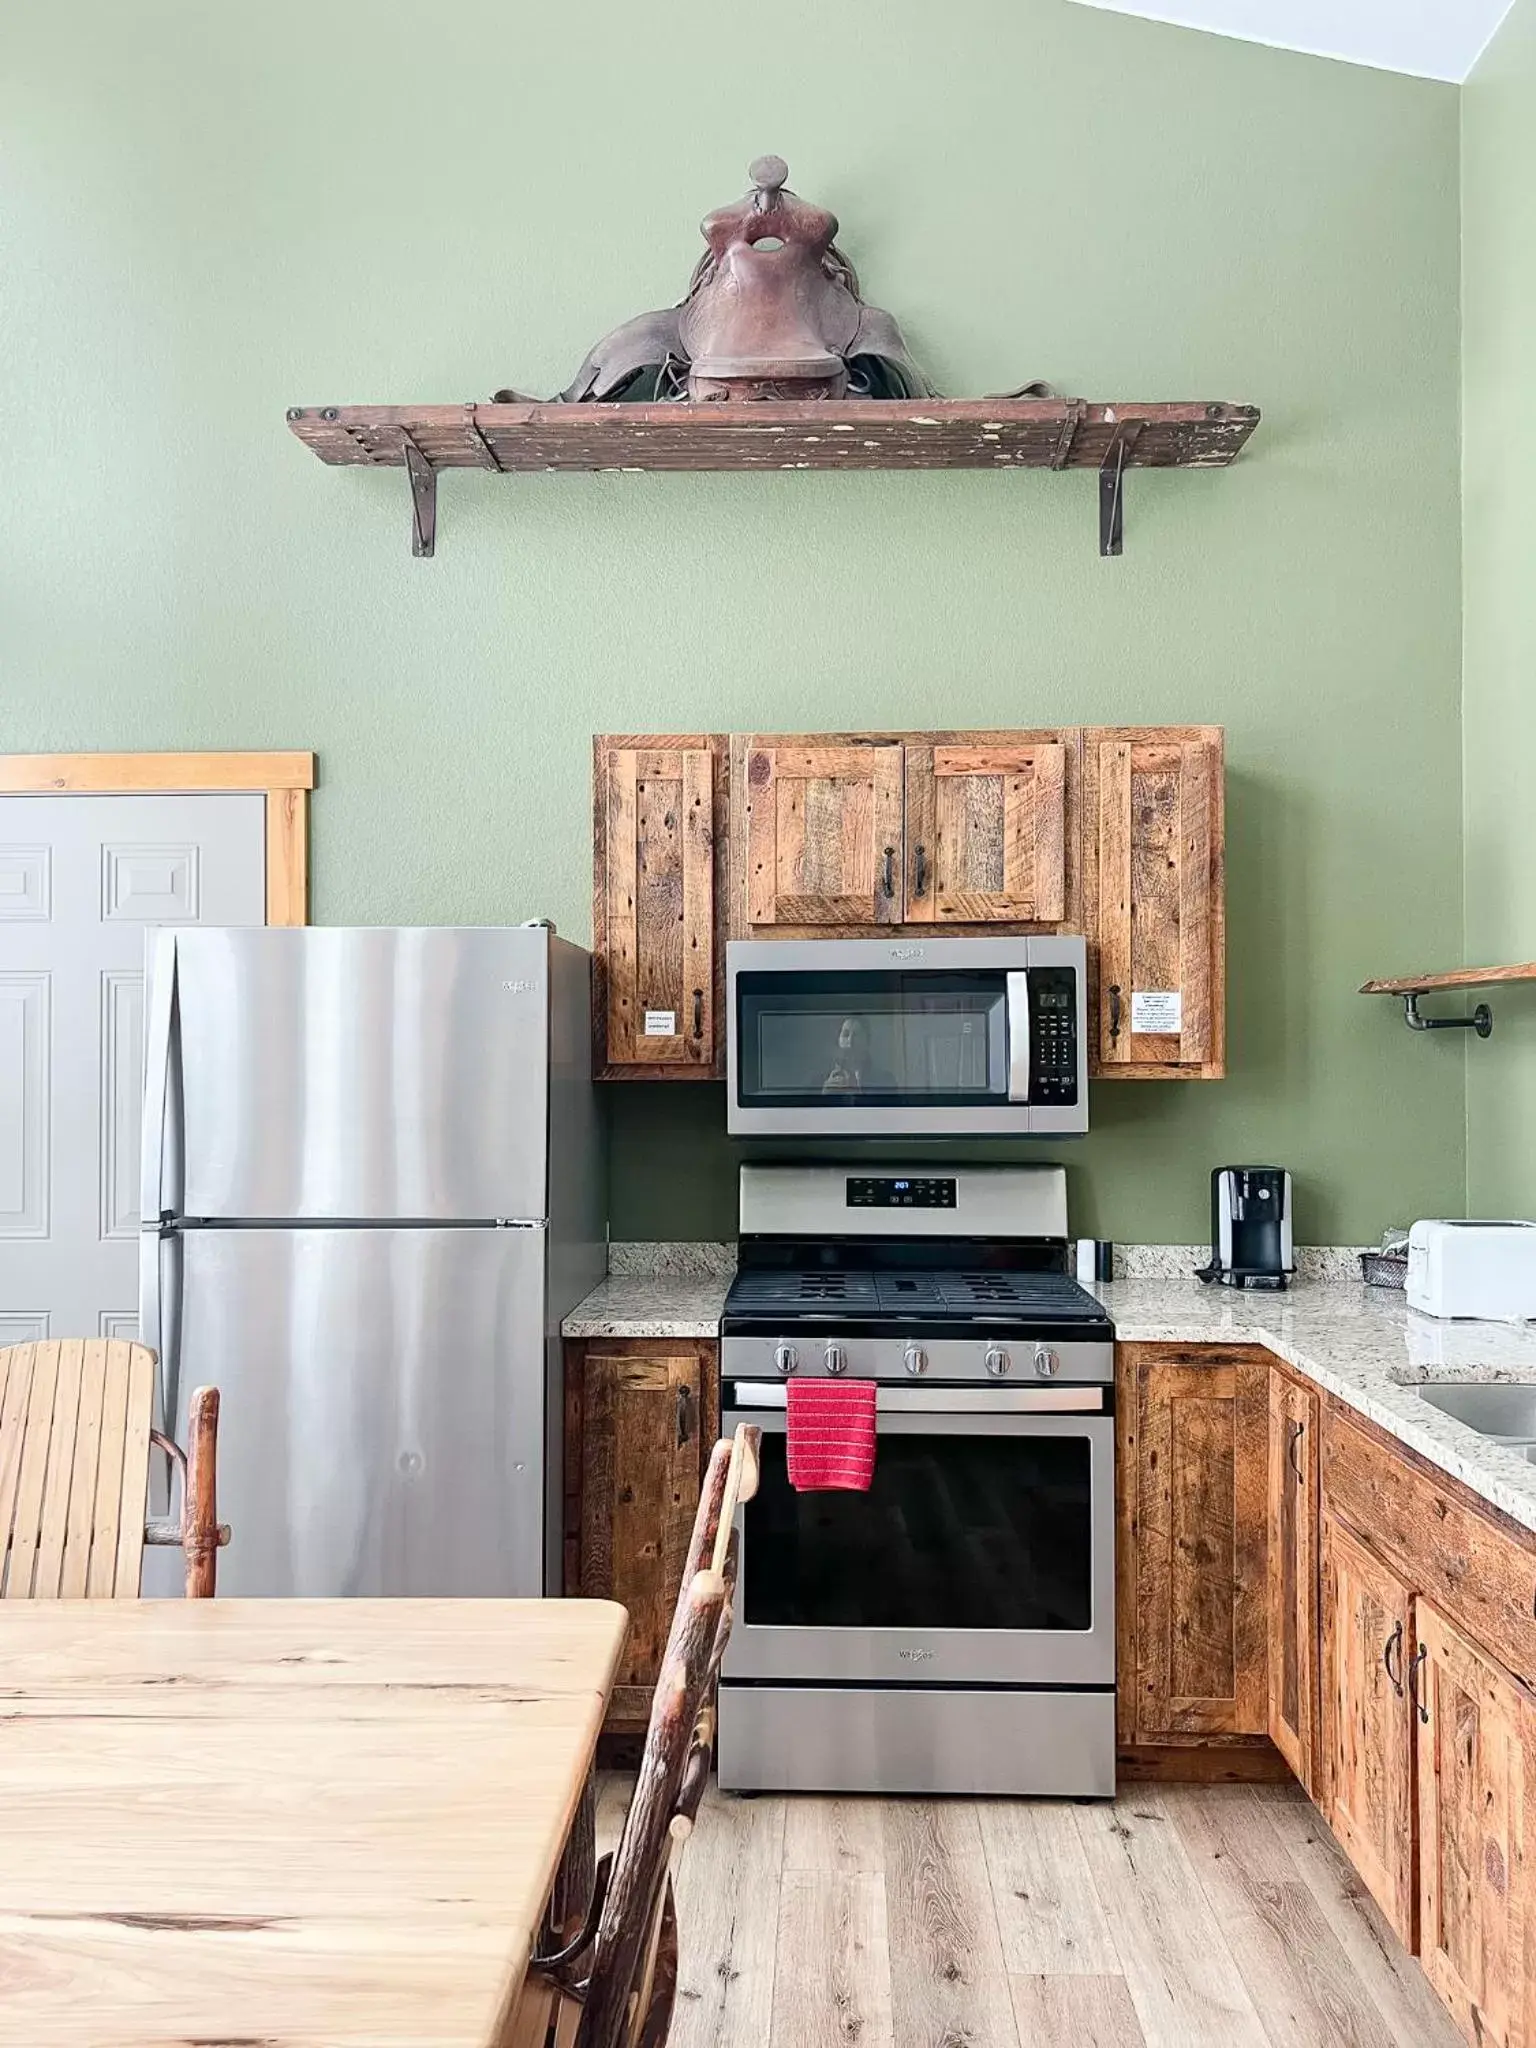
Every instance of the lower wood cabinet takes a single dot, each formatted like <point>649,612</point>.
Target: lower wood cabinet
<point>1427,1756</point>
<point>1194,1626</point>
<point>641,1416</point>
<point>1476,1741</point>
<point>1293,1571</point>
<point>1367,1727</point>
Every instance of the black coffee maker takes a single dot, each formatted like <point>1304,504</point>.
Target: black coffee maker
<point>1250,1227</point>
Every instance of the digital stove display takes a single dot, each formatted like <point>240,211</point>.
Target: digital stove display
<point>892,1193</point>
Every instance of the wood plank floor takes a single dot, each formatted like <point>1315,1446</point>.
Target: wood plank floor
<point>1178,1917</point>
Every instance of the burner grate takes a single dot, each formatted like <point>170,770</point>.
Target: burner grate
<point>803,1290</point>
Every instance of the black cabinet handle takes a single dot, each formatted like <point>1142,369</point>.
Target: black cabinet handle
<point>698,1013</point>
<point>920,871</point>
<point>684,1414</point>
<point>1394,1642</point>
<point>888,879</point>
<point>1296,1430</point>
<point>1420,1659</point>
<point>1114,1013</point>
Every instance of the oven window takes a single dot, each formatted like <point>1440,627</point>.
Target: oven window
<point>983,1532</point>
<point>871,1038</point>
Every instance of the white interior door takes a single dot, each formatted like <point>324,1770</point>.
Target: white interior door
<point>80,878</point>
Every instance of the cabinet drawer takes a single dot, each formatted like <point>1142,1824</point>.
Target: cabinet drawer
<point>1480,1574</point>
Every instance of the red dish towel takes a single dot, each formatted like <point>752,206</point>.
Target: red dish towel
<point>831,1435</point>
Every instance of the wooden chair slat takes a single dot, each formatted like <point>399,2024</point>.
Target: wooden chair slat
<point>140,1368</point>
<point>53,1523</point>
<point>101,1574</point>
<point>26,1523</point>
<point>13,1438</point>
<point>75,1572</point>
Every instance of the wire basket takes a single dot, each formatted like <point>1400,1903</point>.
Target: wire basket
<point>1384,1269</point>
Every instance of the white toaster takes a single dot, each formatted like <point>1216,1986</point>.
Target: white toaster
<point>1473,1269</point>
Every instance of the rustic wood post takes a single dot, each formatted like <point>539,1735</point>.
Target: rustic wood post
<point>202,1533</point>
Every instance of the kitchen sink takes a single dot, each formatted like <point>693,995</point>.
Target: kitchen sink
<point>1505,1411</point>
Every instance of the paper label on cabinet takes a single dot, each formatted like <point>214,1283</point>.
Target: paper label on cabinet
<point>661,1023</point>
<point>1158,1010</point>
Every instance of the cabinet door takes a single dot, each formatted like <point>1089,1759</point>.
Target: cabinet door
<point>637,1482</point>
<point>1201,1594</point>
<point>1367,1728</point>
<point>1293,1572</point>
<point>824,834</point>
<point>986,832</point>
<point>1155,884</point>
<point>1474,1728</point>
<point>654,913</point>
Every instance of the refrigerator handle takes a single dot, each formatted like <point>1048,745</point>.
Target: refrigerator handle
<point>160,1257</point>
<point>160,963</point>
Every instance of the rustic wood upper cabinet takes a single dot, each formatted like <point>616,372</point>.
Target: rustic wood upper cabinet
<point>1293,1571</point>
<point>1367,1722</point>
<point>1114,832</point>
<point>640,1417</point>
<point>823,833</point>
<point>858,832</point>
<point>1155,893</point>
<point>1196,1543</point>
<point>986,831</point>
<point>656,979</point>
<point>1476,1733</point>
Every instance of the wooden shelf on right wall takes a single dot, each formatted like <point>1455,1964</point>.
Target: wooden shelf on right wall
<point>1411,986</point>
<point>1455,977</point>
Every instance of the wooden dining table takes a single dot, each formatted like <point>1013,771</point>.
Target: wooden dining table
<point>286,1823</point>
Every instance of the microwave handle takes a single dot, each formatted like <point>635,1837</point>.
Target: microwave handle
<point>1018,1036</point>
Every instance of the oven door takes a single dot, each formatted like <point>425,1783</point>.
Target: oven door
<point>982,1554</point>
<point>869,1037</point>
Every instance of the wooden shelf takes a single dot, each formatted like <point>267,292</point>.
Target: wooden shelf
<point>1455,977</point>
<point>947,433</point>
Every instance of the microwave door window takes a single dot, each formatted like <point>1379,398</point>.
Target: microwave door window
<point>879,1039</point>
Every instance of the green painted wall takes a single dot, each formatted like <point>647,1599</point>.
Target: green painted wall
<point>209,213</point>
<point>1499,526</point>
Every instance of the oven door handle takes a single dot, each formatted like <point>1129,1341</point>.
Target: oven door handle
<point>943,1400</point>
<point>1016,988</point>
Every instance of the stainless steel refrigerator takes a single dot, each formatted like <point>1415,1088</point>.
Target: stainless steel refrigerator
<point>372,1185</point>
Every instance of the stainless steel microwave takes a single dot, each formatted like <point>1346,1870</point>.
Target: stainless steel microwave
<point>907,1038</point>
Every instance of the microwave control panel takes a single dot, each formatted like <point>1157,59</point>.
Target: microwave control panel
<point>1053,1035</point>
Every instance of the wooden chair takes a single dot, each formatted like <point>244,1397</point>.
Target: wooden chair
<point>75,1437</point>
<point>615,1984</point>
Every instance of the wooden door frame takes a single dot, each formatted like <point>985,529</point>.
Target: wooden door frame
<point>284,780</point>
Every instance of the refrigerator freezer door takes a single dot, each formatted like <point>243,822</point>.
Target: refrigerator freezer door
<point>382,1415</point>
<point>369,1074</point>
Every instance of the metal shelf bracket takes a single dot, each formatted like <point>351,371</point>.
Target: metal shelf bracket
<point>1480,1021</point>
<point>423,480</point>
<point>1112,499</point>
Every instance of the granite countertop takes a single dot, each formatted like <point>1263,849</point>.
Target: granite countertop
<point>651,1305</point>
<point>1363,1344</point>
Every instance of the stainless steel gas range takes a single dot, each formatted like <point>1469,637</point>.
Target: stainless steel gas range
<point>953,1629</point>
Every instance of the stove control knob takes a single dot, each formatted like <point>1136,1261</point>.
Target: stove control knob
<point>784,1359</point>
<point>915,1359</point>
<point>997,1362</point>
<point>835,1358</point>
<point>1047,1361</point>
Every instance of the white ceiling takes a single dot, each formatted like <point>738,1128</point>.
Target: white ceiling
<point>1429,38</point>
